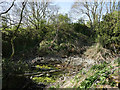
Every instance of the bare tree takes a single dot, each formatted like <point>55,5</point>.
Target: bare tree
<point>37,11</point>
<point>89,9</point>
<point>93,10</point>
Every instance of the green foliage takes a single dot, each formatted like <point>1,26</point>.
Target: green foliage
<point>118,60</point>
<point>12,67</point>
<point>11,70</point>
<point>101,74</point>
<point>109,32</point>
<point>65,33</point>
<point>99,66</point>
<point>66,38</point>
<point>82,28</point>
<point>24,41</point>
<point>63,18</point>
<point>45,80</point>
<point>46,47</point>
<point>52,87</point>
<point>88,81</point>
<point>43,66</point>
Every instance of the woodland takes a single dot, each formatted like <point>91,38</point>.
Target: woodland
<point>43,48</point>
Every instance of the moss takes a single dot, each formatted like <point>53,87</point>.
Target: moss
<point>43,66</point>
<point>45,80</point>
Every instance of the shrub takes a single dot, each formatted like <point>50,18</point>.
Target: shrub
<point>11,70</point>
<point>109,33</point>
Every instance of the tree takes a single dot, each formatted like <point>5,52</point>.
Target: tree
<point>34,20</point>
<point>63,22</point>
<point>39,15</point>
<point>93,10</point>
<point>37,12</point>
<point>15,31</point>
<point>109,32</point>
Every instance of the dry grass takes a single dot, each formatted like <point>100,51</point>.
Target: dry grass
<point>97,52</point>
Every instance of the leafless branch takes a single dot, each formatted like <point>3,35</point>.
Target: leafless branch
<point>24,4</point>
<point>8,8</point>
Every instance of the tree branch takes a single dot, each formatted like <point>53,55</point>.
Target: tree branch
<point>14,36</point>
<point>8,8</point>
<point>24,4</point>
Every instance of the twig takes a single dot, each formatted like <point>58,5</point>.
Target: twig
<point>8,8</point>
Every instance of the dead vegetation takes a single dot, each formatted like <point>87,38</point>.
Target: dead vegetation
<point>97,52</point>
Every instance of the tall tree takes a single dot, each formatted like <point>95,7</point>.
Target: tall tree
<point>37,12</point>
<point>93,10</point>
<point>16,30</point>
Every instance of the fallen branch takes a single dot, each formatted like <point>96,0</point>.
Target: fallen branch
<point>38,73</point>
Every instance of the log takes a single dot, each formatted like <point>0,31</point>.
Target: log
<point>29,74</point>
<point>38,73</point>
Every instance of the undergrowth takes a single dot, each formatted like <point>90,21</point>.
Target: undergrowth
<point>97,76</point>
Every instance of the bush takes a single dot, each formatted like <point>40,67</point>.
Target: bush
<point>24,41</point>
<point>12,67</point>
<point>11,70</point>
<point>46,47</point>
<point>109,33</point>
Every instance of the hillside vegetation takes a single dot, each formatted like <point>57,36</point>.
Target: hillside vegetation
<point>46,49</point>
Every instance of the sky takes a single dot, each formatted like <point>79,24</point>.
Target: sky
<point>64,6</point>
